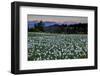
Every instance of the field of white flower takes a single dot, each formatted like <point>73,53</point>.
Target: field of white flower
<point>47,46</point>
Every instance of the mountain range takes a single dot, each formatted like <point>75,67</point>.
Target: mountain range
<point>49,23</point>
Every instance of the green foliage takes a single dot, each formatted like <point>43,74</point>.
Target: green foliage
<point>39,27</point>
<point>80,28</point>
<point>47,46</point>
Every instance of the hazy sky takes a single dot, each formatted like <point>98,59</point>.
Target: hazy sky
<point>76,19</point>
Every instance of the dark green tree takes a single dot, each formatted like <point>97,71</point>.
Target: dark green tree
<point>39,27</point>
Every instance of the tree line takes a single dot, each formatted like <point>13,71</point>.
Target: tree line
<point>81,28</point>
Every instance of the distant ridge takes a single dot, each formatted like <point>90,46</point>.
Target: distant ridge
<point>49,23</point>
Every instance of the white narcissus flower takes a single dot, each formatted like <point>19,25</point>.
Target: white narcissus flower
<point>53,46</point>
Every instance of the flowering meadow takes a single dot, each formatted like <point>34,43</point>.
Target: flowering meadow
<point>49,46</point>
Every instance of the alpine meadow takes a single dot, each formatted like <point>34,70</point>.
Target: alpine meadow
<point>53,37</point>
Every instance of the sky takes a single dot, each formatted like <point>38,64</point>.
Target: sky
<point>60,19</point>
